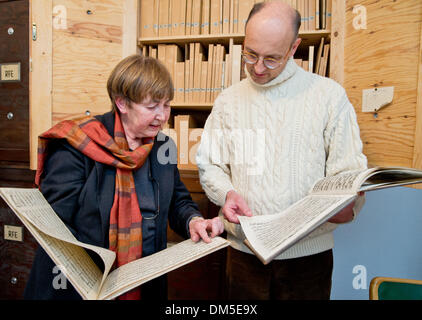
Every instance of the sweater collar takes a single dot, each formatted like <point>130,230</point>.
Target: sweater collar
<point>289,70</point>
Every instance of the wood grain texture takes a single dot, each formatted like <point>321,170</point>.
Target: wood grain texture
<point>41,75</point>
<point>80,77</point>
<point>337,41</point>
<point>84,53</point>
<point>385,54</point>
<point>417,152</point>
<point>130,28</point>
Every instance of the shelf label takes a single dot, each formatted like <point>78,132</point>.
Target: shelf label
<point>10,72</point>
<point>13,233</point>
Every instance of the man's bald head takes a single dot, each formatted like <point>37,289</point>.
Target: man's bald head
<point>270,33</point>
<point>277,10</point>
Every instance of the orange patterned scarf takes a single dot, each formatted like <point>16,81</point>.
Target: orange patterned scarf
<point>91,138</point>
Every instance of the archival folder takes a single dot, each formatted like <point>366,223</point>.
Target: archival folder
<point>270,235</point>
<point>69,254</point>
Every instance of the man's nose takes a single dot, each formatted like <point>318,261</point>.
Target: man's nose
<point>259,66</point>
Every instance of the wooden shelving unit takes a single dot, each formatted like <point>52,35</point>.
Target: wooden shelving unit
<point>191,106</point>
<point>331,34</point>
<point>205,39</point>
<point>310,37</point>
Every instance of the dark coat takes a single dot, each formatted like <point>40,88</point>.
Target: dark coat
<point>81,191</point>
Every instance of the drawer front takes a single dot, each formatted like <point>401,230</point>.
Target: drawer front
<point>14,81</point>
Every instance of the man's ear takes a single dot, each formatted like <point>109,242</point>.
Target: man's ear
<point>295,46</point>
<point>121,104</point>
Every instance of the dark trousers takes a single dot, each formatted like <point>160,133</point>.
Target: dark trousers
<point>304,278</point>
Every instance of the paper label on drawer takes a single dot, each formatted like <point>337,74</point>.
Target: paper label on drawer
<point>10,72</point>
<point>13,233</point>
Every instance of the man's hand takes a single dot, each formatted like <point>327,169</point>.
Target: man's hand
<point>345,215</point>
<point>234,206</point>
<point>199,228</point>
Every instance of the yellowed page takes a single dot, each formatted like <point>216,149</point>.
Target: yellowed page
<point>270,235</point>
<point>344,183</point>
<point>142,270</point>
<point>56,239</point>
<point>72,260</point>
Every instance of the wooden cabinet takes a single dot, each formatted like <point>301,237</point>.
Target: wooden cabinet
<point>202,279</point>
<point>14,83</point>
<point>15,256</point>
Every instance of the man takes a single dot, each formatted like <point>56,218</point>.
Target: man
<point>266,141</point>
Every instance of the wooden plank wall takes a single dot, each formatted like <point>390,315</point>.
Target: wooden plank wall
<point>84,52</point>
<point>417,154</point>
<point>41,74</point>
<point>337,40</point>
<point>79,42</point>
<point>386,53</point>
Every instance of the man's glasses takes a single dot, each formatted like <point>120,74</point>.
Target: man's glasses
<point>269,63</point>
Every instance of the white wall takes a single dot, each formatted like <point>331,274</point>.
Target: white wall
<point>384,240</point>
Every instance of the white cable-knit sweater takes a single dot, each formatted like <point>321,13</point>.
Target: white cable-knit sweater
<point>271,142</point>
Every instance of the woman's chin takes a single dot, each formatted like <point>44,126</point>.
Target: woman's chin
<point>153,131</point>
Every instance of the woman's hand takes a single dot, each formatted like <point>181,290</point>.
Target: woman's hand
<point>205,229</point>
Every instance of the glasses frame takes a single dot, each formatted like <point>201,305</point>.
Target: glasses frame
<point>264,59</point>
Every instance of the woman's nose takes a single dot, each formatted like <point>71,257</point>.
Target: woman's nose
<point>161,113</point>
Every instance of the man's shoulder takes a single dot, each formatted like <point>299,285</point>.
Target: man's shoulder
<point>324,82</point>
<point>231,95</point>
<point>235,88</point>
<point>320,87</point>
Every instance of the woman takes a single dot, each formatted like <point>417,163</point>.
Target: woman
<point>110,181</point>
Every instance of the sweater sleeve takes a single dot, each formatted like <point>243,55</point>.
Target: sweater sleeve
<point>343,144</point>
<point>211,158</point>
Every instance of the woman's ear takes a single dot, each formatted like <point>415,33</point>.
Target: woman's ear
<point>121,104</point>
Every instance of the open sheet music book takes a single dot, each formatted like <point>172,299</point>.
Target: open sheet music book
<point>67,252</point>
<point>269,235</point>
